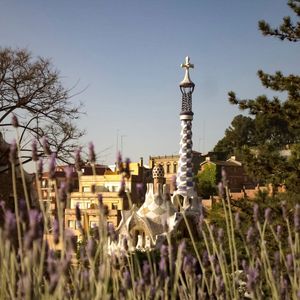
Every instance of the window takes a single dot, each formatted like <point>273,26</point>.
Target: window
<point>174,168</point>
<point>71,224</point>
<point>168,168</point>
<point>44,183</point>
<point>86,189</point>
<point>114,206</point>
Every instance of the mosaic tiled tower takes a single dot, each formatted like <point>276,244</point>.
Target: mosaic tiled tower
<point>184,180</point>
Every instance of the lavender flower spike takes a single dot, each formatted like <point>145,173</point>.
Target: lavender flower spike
<point>13,152</point>
<point>268,215</point>
<point>52,164</point>
<point>34,151</point>
<point>78,160</point>
<point>46,146</point>
<point>14,121</point>
<point>92,155</point>
<point>237,220</point>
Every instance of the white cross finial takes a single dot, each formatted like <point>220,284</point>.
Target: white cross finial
<point>187,64</point>
<point>186,80</point>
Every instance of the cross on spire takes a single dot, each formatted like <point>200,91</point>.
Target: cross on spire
<point>187,82</point>
<point>187,64</point>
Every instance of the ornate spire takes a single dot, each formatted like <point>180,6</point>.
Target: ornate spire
<point>184,179</point>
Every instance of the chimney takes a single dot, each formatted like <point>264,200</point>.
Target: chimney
<point>141,162</point>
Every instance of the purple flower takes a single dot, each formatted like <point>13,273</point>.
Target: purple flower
<point>55,231</point>
<point>92,155</point>
<point>220,237</point>
<point>34,151</point>
<point>36,223</point>
<point>244,265</point>
<point>212,259</point>
<point>24,286</point>
<point>252,278</point>
<point>13,152</point>
<point>46,146</point>
<point>163,266</point>
<point>91,248</point>
<point>68,172</point>
<point>250,235</point>
<point>146,272</point>
<point>141,287</point>
<point>10,225</point>
<point>237,221</point>
<point>289,262</point>
<point>52,164</point>
<point>200,224</point>
<point>220,286</point>
<point>224,176</point>
<point>205,258</point>
<point>279,231</point>
<point>23,210</point>
<point>268,214</point>
<point>62,193</point>
<point>126,279</point>
<point>283,288</point>
<point>54,279</point>
<point>14,121</point>
<point>164,250</point>
<point>221,190</point>
<point>112,232</point>
<point>188,265</point>
<point>78,161</point>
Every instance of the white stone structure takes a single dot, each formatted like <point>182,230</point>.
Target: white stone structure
<point>148,226</point>
<point>185,196</point>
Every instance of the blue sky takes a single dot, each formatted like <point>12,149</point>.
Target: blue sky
<point>126,55</point>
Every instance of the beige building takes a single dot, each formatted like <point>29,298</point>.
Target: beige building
<point>108,185</point>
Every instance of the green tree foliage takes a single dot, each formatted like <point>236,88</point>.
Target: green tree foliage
<point>240,133</point>
<point>293,170</point>
<point>288,111</point>
<point>265,164</point>
<point>206,181</point>
<point>275,122</point>
<point>287,30</point>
